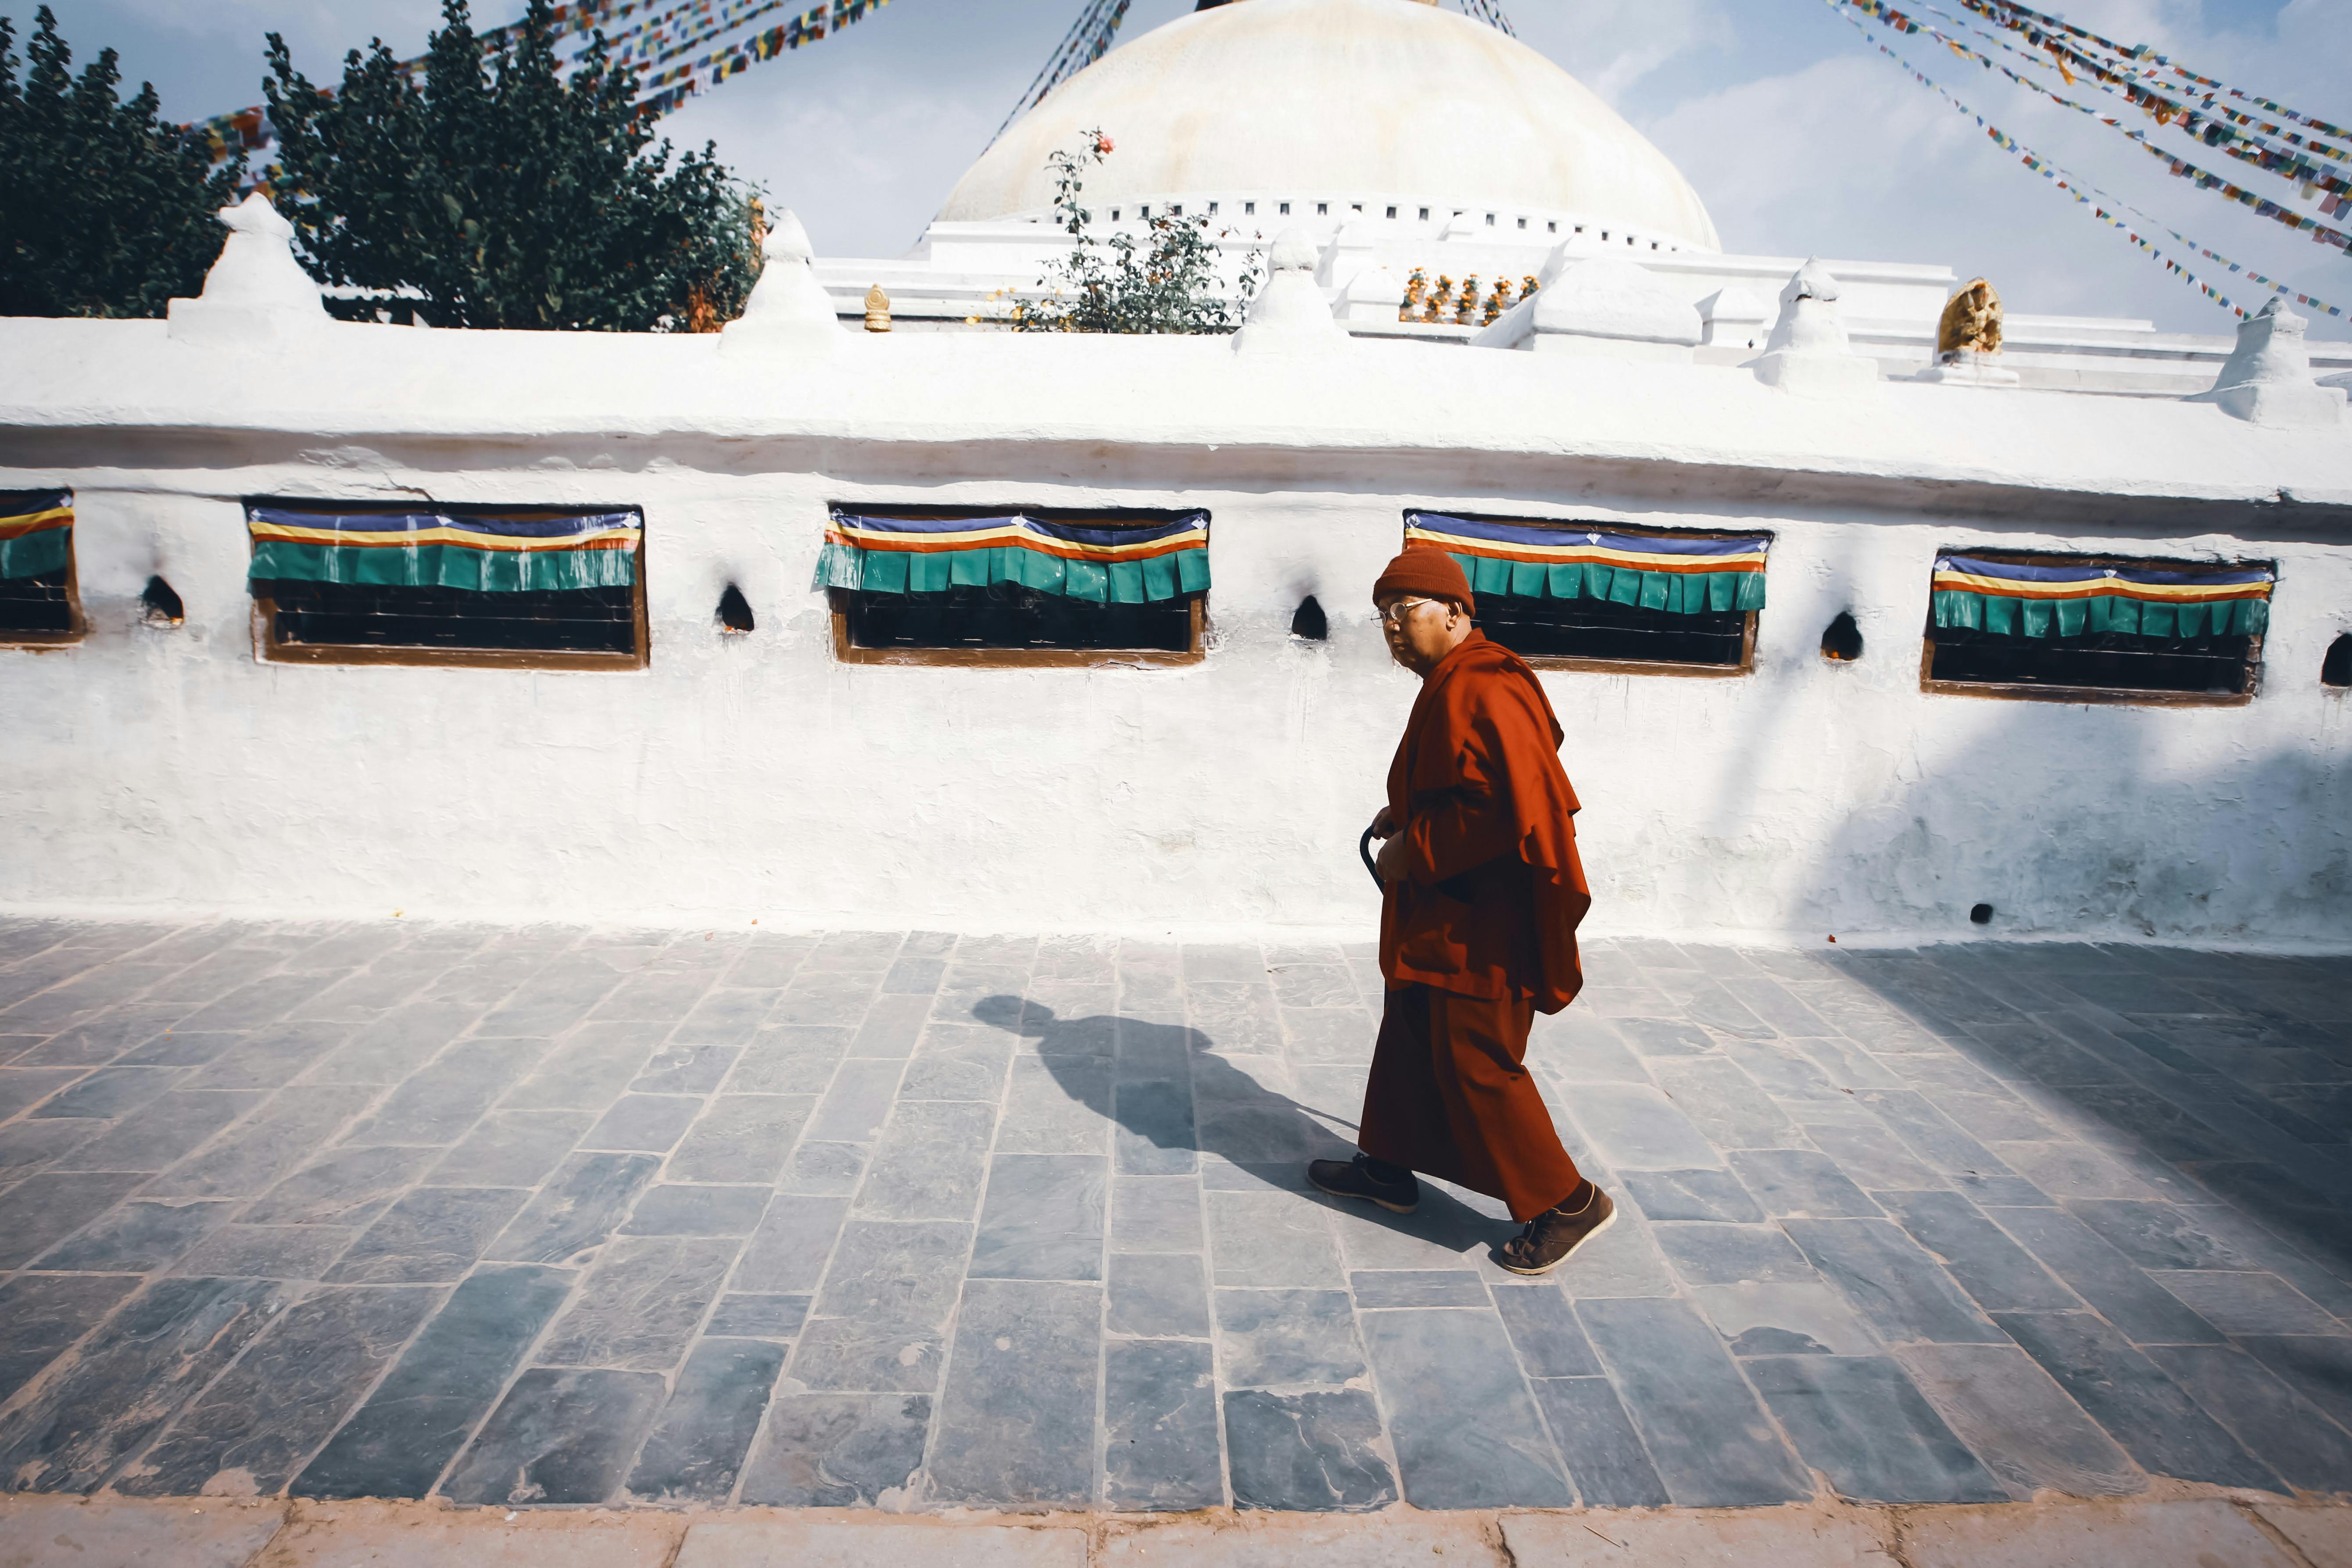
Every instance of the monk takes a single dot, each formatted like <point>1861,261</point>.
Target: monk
<point>1483,892</point>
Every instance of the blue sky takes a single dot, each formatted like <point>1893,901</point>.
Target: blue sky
<point>1801,138</point>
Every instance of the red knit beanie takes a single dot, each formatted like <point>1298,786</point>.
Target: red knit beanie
<point>1429,572</point>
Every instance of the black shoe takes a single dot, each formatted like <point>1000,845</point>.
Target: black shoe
<point>1350,1179</point>
<point>1552,1235</point>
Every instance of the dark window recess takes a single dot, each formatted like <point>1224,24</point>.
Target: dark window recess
<point>1841,640</point>
<point>1601,629</point>
<point>1009,616</point>
<point>2111,661</point>
<point>1310,621</point>
<point>1980,914</point>
<point>35,604</point>
<point>159,605</point>
<point>2335,670</point>
<point>734,610</point>
<point>347,615</point>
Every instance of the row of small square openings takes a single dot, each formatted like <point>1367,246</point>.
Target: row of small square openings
<point>1389,212</point>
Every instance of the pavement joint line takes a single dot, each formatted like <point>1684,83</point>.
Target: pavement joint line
<point>2278,1538</point>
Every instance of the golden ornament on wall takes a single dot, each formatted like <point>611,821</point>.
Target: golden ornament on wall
<point>1971,322</point>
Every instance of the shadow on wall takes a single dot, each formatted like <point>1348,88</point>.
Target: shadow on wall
<point>2097,838</point>
<point>1173,1099</point>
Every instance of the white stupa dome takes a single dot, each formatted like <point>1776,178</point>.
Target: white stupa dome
<point>1351,107</point>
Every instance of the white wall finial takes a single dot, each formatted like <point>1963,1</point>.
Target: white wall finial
<point>789,310</point>
<point>257,296</point>
<point>1289,311</point>
<point>2267,378</point>
<point>1808,351</point>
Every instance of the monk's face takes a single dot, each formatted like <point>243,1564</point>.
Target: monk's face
<point>1421,631</point>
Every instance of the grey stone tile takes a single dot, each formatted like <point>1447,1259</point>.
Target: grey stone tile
<point>512,1149</point>
<point>1707,1438</point>
<point>1860,1421</point>
<point>559,1436</point>
<point>587,1070</point>
<point>650,1122</point>
<point>676,1208</point>
<point>640,1305</point>
<point>1606,1462</point>
<point>2271,1420</point>
<point>1899,1291</point>
<point>1545,1332</point>
<point>269,1146</point>
<point>343,1186</point>
<point>697,1447</point>
<point>2029,1434</point>
<point>655,996</point>
<point>152,1137</point>
<point>2161,1235</point>
<point>110,1092</point>
<point>1383,1289</point>
<point>687,1069</point>
<point>268,1251</point>
<point>1160,1416</point>
<point>40,1210</point>
<point>42,1314</point>
<point>790,1061</point>
<point>1244,1017</point>
<point>1155,1213</point>
<point>26,1146</point>
<point>259,1005</point>
<point>131,1036</point>
<point>2142,1409</point>
<point>892,1025</point>
<point>1725,1104</point>
<point>266,1415</point>
<point>1156,1135</point>
<point>269,1058</point>
<point>580,1207</point>
<point>440,1101</point>
<point>2110,1282</point>
<point>838,1450</point>
<point>1158,1295</point>
<point>1665,1036</point>
<point>1043,1218</point>
<point>2248,1304</point>
<point>880,1317</point>
<point>1578,1047</point>
<point>825,997</point>
<point>1700,1195</point>
<point>1282,1338</point>
<point>724,1016</point>
<point>1056,1105</point>
<point>1845,1064</point>
<point>1317,1452</point>
<point>432,1234</point>
<point>2319,1367</point>
<point>161,1347</point>
<point>1017,1420</point>
<point>2078,1171</point>
<point>855,1106</point>
<point>1728,1254</point>
<point>1801,1183</point>
<point>1465,1431</point>
<point>929,1162</point>
<point>757,1317</point>
<point>973,1071</point>
<point>787,1252</point>
<point>1998,1273</point>
<point>389,1048</point>
<point>1635,1127</point>
<point>1784,1319</point>
<point>1622,1261</point>
<point>1874,1158</point>
<point>138,1238</point>
<point>1270,1238</point>
<point>859,952</point>
<point>828,1169</point>
<point>743,1138</point>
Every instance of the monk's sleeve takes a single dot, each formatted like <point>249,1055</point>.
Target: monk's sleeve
<point>1468,821</point>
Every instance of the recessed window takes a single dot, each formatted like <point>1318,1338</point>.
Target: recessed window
<point>2335,670</point>
<point>1322,209</point>
<point>1391,212</point>
<point>1177,210</point>
<point>1114,214</point>
<point>1309,621</point>
<point>1841,640</point>
<point>1522,223</point>
<point>39,595</point>
<point>1604,596</point>
<point>1424,215</point>
<point>734,612</point>
<point>2096,628</point>
<point>1016,588</point>
<point>1490,220</point>
<point>160,604</point>
<point>1144,211</point>
<point>558,588</point>
<point>1212,209</point>
<point>1286,209</point>
<point>1249,209</point>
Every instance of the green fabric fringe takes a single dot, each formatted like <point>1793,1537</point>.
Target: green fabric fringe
<point>1682,592</point>
<point>31,555</point>
<point>445,566</point>
<point>2074,617</point>
<point>933,571</point>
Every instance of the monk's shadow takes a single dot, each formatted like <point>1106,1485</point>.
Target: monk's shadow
<point>1173,1099</point>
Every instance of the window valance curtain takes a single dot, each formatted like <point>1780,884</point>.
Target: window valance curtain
<point>1683,574</point>
<point>1104,562</point>
<point>496,552</point>
<point>35,532</point>
<point>2068,599</point>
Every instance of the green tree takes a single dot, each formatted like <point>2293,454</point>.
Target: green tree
<point>1105,286</point>
<point>105,210</point>
<point>504,191</point>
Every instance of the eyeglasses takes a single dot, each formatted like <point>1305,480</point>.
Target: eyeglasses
<point>1398,611</point>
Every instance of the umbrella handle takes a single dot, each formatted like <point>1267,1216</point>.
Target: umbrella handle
<point>1364,848</point>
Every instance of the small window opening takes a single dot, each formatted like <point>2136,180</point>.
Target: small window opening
<point>1114,214</point>
<point>1980,914</point>
<point>160,607</point>
<point>1391,212</point>
<point>1212,209</point>
<point>1604,235</point>
<point>1286,209</point>
<point>1356,206</point>
<point>1653,245</point>
<point>734,610</point>
<point>1144,211</point>
<point>2335,670</point>
<point>1552,226</point>
<point>1322,209</point>
<point>1579,228</point>
<point>1176,210</point>
<point>1522,223</point>
<point>1490,220</point>
<point>1310,622</point>
<point>1249,209</point>
<point>1424,215</point>
<point>1841,641</point>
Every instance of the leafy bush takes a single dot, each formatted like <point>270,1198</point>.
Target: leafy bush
<point>1105,286</point>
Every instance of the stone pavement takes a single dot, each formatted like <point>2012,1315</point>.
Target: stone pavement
<point>909,1222</point>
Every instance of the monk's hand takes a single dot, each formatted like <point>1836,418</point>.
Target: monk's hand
<point>1384,824</point>
<point>1391,861</point>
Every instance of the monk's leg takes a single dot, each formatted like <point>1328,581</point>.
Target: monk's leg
<point>1499,1124</point>
<point>1402,1127</point>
